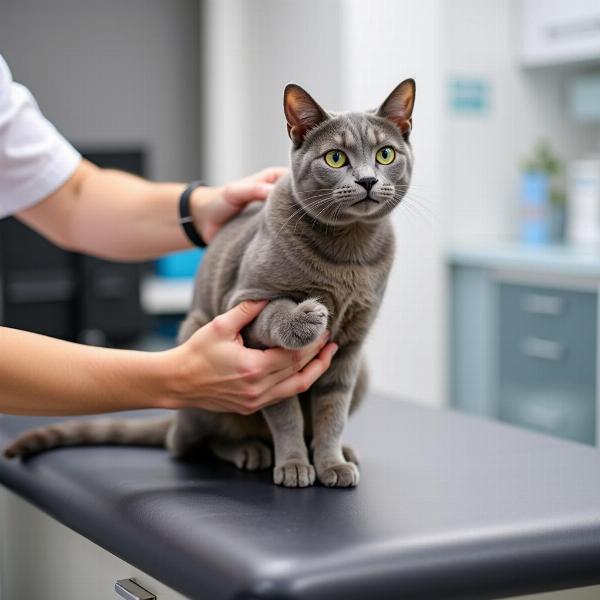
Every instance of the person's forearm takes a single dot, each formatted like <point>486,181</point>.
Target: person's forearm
<point>44,376</point>
<point>120,216</point>
<point>114,215</point>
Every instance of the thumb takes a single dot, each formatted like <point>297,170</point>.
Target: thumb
<point>234,320</point>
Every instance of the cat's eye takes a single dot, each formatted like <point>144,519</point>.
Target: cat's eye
<point>385,155</point>
<point>336,159</point>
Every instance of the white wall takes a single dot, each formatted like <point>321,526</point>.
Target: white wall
<point>483,154</point>
<point>349,55</point>
<point>250,51</point>
<point>113,72</point>
<point>386,41</point>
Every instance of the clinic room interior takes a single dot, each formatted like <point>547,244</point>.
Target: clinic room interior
<point>466,465</point>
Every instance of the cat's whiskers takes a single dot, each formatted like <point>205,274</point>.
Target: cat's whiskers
<point>320,213</point>
<point>315,190</point>
<point>337,212</point>
<point>423,196</point>
<point>418,198</point>
<point>315,217</point>
<point>411,207</point>
<point>419,203</point>
<point>300,210</point>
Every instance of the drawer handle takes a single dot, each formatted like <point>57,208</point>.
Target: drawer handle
<point>540,304</point>
<point>543,349</point>
<point>130,590</point>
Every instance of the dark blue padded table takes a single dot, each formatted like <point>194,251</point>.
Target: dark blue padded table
<point>449,506</point>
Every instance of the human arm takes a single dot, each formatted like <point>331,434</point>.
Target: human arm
<point>212,370</point>
<point>116,215</point>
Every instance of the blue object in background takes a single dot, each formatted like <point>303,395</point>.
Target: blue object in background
<point>180,264</point>
<point>535,208</point>
<point>469,96</point>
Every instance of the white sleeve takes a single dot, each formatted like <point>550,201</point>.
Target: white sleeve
<point>35,159</point>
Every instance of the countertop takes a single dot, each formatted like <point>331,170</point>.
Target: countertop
<point>449,506</point>
<point>565,259</point>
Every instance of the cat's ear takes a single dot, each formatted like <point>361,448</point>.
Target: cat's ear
<point>301,112</point>
<point>398,106</point>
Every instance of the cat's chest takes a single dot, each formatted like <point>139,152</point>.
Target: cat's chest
<point>352,301</point>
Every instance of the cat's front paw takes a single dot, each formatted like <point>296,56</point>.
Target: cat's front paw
<point>306,324</point>
<point>340,475</point>
<point>294,473</point>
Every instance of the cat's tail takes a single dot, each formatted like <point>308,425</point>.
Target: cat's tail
<point>124,432</point>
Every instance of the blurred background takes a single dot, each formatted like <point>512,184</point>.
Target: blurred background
<point>492,305</point>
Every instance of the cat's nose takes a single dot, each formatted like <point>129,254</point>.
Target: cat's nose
<point>367,182</point>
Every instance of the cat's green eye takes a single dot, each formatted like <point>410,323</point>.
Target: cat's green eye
<point>336,159</point>
<point>385,155</point>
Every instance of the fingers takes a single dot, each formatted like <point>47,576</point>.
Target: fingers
<point>255,187</point>
<point>271,174</point>
<point>255,396</point>
<point>302,380</point>
<point>289,361</point>
<point>243,192</point>
<point>234,320</point>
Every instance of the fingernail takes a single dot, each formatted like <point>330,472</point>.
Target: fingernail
<point>327,335</point>
<point>334,350</point>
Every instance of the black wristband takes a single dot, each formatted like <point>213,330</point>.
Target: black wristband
<point>185,215</point>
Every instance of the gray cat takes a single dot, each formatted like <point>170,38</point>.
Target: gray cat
<point>320,250</point>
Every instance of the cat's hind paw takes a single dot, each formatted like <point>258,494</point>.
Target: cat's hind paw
<point>250,455</point>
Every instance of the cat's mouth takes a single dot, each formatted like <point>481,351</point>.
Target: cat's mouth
<point>366,200</point>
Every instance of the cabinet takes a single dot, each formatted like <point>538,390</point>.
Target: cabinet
<point>41,558</point>
<point>547,359</point>
<point>556,32</point>
<point>524,343</point>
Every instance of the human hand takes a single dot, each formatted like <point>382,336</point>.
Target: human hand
<point>213,207</point>
<point>213,370</point>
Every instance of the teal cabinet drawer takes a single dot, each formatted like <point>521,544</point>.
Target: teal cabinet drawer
<point>566,412</point>
<point>549,312</point>
<point>547,360</point>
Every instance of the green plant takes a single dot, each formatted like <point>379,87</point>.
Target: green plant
<point>544,160</point>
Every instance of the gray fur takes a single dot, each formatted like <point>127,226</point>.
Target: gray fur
<point>322,261</point>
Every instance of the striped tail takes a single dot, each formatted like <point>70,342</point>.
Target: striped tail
<point>123,432</point>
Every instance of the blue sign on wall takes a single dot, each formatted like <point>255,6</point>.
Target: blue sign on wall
<point>469,96</point>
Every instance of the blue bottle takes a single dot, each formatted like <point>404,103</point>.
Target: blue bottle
<point>535,208</point>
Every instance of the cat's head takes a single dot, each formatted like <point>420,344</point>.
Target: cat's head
<point>352,166</point>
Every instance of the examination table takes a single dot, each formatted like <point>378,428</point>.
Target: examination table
<point>448,506</point>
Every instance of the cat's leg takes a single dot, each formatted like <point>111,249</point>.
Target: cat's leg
<point>331,397</point>
<point>288,324</point>
<point>358,393</point>
<point>291,325</point>
<point>250,455</point>
<point>292,467</point>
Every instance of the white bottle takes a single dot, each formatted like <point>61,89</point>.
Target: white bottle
<point>583,201</point>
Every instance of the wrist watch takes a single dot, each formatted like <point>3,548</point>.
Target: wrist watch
<point>185,215</point>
